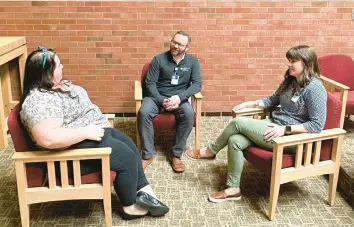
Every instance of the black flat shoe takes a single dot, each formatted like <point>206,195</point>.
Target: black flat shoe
<point>127,216</point>
<point>153,205</point>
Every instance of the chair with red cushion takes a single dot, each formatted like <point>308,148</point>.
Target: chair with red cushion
<point>165,121</point>
<point>316,153</point>
<point>35,173</point>
<point>340,68</point>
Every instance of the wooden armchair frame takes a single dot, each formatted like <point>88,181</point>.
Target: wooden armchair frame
<point>64,191</point>
<point>307,163</point>
<point>196,102</point>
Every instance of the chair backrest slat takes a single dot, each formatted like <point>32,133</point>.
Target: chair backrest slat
<point>77,173</point>
<point>308,152</point>
<point>316,156</point>
<point>298,157</point>
<point>64,174</point>
<point>51,175</point>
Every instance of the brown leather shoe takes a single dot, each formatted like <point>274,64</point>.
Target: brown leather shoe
<point>221,196</point>
<point>195,155</point>
<point>147,162</point>
<point>177,165</point>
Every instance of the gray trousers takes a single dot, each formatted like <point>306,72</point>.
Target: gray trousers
<point>184,124</point>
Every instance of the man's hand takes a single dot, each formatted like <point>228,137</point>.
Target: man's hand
<point>175,100</point>
<point>165,103</point>
<point>171,103</point>
<point>274,131</point>
<point>172,107</point>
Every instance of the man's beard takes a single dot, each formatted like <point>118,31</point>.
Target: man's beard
<point>176,53</point>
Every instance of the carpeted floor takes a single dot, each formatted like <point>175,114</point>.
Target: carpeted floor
<point>301,203</point>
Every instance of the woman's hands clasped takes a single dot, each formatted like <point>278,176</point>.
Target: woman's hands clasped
<point>94,132</point>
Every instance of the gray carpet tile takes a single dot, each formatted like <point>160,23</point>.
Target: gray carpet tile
<point>301,203</point>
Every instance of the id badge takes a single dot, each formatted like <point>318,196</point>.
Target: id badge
<point>174,79</point>
<point>295,98</point>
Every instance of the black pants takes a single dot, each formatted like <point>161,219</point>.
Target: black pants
<point>124,159</point>
<point>184,125</point>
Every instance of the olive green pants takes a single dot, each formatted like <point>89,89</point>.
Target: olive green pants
<point>239,134</point>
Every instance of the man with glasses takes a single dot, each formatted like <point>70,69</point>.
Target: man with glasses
<point>173,77</point>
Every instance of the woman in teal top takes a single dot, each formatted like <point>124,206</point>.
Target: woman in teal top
<point>302,99</point>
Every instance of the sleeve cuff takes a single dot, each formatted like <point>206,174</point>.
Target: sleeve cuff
<point>266,103</point>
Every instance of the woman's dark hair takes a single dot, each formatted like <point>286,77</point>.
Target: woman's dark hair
<point>39,70</point>
<point>308,56</point>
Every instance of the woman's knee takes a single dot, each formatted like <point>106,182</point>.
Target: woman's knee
<point>238,142</point>
<point>240,121</point>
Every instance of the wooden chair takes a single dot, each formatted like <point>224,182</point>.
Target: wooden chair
<point>165,121</point>
<point>316,153</point>
<point>340,67</point>
<point>36,178</point>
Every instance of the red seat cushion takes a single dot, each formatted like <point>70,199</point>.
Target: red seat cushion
<point>262,159</point>
<point>340,67</point>
<point>37,172</point>
<point>162,121</point>
<point>90,178</point>
<point>350,102</point>
<point>165,121</point>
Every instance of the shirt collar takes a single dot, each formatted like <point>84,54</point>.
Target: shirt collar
<point>177,62</point>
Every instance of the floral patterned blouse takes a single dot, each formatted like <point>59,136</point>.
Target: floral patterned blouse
<point>73,106</point>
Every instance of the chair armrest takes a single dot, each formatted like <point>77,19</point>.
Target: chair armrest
<point>338,86</point>
<point>248,111</point>
<point>198,95</point>
<point>110,118</point>
<point>138,91</point>
<point>73,154</point>
<point>308,137</point>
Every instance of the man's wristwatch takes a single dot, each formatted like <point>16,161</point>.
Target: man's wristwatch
<point>287,130</point>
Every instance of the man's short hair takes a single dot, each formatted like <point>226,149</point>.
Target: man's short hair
<point>184,34</point>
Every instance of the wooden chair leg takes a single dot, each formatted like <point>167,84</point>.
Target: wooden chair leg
<point>107,203</point>
<point>198,124</point>
<point>332,187</point>
<point>138,142</point>
<point>275,180</point>
<point>197,138</point>
<point>24,211</point>
<point>273,200</point>
<point>21,191</point>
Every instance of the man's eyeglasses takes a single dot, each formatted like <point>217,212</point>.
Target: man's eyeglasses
<point>45,54</point>
<point>177,43</point>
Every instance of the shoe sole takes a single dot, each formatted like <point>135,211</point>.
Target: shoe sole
<point>153,211</point>
<point>211,199</point>
<point>149,163</point>
<point>199,159</point>
<point>178,170</point>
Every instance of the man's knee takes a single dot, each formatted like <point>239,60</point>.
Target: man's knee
<point>146,109</point>
<point>186,112</point>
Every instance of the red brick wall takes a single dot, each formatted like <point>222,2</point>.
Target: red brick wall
<point>241,45</point>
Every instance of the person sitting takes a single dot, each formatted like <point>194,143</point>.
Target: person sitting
<point>60,115</point>
<point>173,77</point>
<point>302,98</point>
